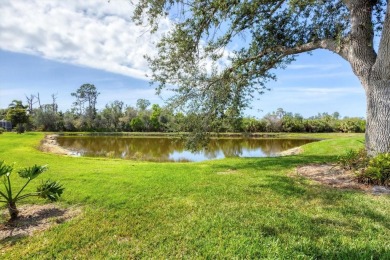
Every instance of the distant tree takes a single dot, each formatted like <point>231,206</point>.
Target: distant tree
<point>112,114</point>
<point>142,104</point>
<point>54,104</point>
<point>292,123</point>
<point>155,117</point>
<point>17,114</point>
<point>3,113</point>
<point>86,99</point>
<point>336,115</point>
<point>30,103</point>
<point>70,119</point>
<point>274,120</point>
<point>252,125</point>
<point>137,124</point>
<point>128,115</point>
<point>46,118</point>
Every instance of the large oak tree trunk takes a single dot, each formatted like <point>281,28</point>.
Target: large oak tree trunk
<point>378,117</point>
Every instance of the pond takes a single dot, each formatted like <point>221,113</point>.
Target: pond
<point>173,149</point>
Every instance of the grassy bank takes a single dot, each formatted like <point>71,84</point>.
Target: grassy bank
<point>230,208</point>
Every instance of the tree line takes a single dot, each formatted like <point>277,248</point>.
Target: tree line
<point>147,117</point>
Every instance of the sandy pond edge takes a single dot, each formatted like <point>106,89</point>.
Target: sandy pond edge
<point>50,145</point>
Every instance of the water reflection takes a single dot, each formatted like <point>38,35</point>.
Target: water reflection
<point>171,149</point>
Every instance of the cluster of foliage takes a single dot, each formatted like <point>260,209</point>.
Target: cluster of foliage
<point>377,170</point>
<point>17,114</point>
<point>50,190</point>
<point>369,170</point>
<point>282,121</point>
<point>147,117</point>
<point>354,159</point>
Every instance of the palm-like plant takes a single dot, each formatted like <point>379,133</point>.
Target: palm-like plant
<point>50,190</point>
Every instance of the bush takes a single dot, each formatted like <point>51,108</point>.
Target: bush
<point>354,160</point>
<point>368,170</point>
<point>351,125</point>
<point>377,172</point>
<point>317,126</point>
<point>20,128</point>
<point>1,130</point>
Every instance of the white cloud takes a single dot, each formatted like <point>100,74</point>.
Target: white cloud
<point>93,33</point>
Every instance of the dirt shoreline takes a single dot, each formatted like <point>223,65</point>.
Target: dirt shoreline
<point>50,145</point>
<point>292,151</point>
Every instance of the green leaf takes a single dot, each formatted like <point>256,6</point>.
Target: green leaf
<point>5,169</point>
<point>32,172</point>
<point>50,190</point>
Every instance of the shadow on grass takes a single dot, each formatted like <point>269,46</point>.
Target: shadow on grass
<point>272,163</point>
<point>317,213</point>
<point>34,220</point>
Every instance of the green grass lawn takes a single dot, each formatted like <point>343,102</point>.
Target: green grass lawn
<point>230,208</point>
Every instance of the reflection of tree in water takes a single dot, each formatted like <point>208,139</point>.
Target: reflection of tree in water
<point>160,148</point>
<point>229,147</point>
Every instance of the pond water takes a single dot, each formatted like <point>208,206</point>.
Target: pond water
<point>172,149</point>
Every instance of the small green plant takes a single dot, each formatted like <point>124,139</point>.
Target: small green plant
<point>377,171</point>
<point>50,190</point>
<point>354,159</point>
<point>1,130</point>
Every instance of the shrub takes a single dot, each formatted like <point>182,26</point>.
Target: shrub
<point>377,172</point>
<point>1,130</point>
<point>354,159</point>
<point>20,129</point>
<point>351,125</point>
<point>50,190</point>
<point>317,126</point>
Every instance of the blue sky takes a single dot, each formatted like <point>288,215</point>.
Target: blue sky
<point>64,44</point>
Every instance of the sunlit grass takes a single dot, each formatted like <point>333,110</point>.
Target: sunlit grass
<point>230,208</point>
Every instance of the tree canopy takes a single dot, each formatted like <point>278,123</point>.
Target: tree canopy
<point>17,114</point>
<point>219,53</point>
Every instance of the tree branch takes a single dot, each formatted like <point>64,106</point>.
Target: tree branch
<point>278,5</point>
<point>327,44</point>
